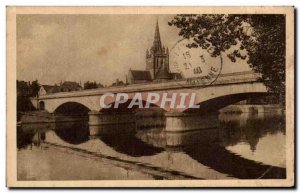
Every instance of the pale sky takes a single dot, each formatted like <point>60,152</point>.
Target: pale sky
<point>54,48</point>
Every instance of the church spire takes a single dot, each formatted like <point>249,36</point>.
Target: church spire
<point>157,42</point>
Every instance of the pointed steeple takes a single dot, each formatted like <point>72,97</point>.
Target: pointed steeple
<point>156,43</point>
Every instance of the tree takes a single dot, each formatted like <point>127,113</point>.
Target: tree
<point>25,90</point>
<point>35,87</point>
<point>259,39</point>
<point>91,85</point>
<point>118,83</point>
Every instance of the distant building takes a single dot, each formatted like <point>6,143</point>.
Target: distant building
<point>157,64</point>
<point>157,60</point>
<point>48,89</point>
<point>69,86</point>
<point>139,76</point>
<point>118,83</point>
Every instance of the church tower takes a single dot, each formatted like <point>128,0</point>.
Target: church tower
<point>157,59</point>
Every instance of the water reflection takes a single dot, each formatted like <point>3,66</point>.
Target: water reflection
<point>73,132</point>
<point>249,128</point>
<point>224,161</point>
<point>130,145</point>
<point>30,134</point>
<point>24,138</point>
<point>242,146</point>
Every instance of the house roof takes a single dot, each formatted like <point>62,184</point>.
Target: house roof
<point>54,89</point>
<point>50,88</point>
<point>141,75</point>
<point>47,87</point>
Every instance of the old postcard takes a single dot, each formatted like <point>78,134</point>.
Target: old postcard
<point>150,96</point>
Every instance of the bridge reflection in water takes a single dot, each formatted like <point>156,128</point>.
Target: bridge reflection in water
<point>245,146</point>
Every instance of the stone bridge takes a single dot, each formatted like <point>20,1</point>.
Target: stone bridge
<point>227,89</point>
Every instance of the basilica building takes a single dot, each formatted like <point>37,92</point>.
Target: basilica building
<point>157,64</point>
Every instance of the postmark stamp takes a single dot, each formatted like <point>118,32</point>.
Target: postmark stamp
<point>196,65</point>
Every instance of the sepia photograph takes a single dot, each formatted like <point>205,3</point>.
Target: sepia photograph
<point>150,96</point>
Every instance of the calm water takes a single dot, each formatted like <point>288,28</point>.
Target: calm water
<point>245,146</point>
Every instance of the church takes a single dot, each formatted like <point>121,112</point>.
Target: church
<point>157,64</point>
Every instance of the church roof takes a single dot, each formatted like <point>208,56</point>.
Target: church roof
<point>141,74</point>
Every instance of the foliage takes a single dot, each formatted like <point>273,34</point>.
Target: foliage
<point>25,90</point>
<point>259,39</point>
<point>91,85</point>
<point>118,83</point>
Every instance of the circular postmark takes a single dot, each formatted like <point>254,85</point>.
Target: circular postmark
<point>196,65</point>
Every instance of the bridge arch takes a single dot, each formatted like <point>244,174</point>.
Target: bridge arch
<point>215,104</point>
<point>214,98</point>
<point>72,108</point>
<point>53,103</point>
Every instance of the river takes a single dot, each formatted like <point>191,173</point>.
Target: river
<point>243,146</point>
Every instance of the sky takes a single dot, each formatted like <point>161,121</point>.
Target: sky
<point>101,48</point>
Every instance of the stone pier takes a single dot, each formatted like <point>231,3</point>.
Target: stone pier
<point>202,136</point>
<point>107,123</point>
<point>182,122</point>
